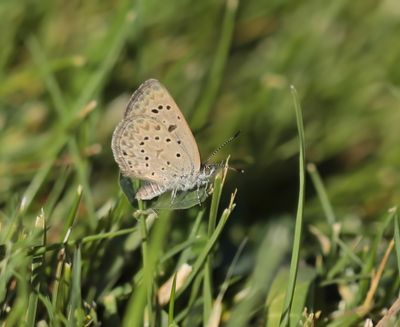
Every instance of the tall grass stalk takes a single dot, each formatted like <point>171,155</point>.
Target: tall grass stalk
<point>285,318</point>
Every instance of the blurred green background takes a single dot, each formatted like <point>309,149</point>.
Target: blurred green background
<point>229,65</point>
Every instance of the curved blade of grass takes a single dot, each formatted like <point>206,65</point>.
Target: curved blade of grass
<point>193,236</point>
<point>58,286</point>
<point>49,79</point>
<point>209,246</point>
<point>61,108</point>
<point>193,299</point>
<point>144,292</point>
<point>75,311</point>
<point>215,76</point>
<point>184,257</point>
<point>18,310</point>
<point>147,270</point>
<point>180,248</point>
<point>56,192</point>
<point>397,237</point>
<point>369,261</point>
<point>115,42</point>
<point>40,176</point>
<point>321,192</point>
<point>72,214</point>
<point>49,308</point>
<point>90,238</point>
<point>272,251</point>
<point>40,230</point>
<point>123,24</point>
<point>276,295</point>
<point>285,318</point>
<point>216,313</point>
<point>172,303</point>
<point>212,221</point>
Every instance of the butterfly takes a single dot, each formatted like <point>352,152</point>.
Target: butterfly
<point>153,143</point>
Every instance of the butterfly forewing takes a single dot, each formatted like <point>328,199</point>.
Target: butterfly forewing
<point>154,142</point>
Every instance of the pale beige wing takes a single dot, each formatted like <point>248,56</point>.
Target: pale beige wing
<point>153,142</point>
<point>145,149</point>
<point>153,99</point>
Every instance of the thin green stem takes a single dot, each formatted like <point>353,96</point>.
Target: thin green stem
<point>212,222</point>
<point>294,264</point>
<point>216,72</point>
<point>147,277</point>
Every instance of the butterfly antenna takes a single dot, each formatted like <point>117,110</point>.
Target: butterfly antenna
<point>236,169</point>
<point>229,140</point>
<point>224,165</point>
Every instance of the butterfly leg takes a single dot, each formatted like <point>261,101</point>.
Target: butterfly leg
<point>173,195</point>
<point>198,191</point>
<point>198,195</point>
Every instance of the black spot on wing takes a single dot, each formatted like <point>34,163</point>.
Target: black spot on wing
<point>171,128</point>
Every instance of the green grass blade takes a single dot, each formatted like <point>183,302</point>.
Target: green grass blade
<point>58,285</point>
<point>397,237</point>
<point>56,193</point>
<point>134,313</point>
<point>75,311</point>
<point>209,246</point>
<point>207,292</point>
<point>49,308</point>
<point>193,237</point>
<point>285,319</point>
<point>37,262</point>
<point>193,299</point>
<point>37,181</point>
<point>172,303</point>
<point>215,76</point>
<point>322,195</point>
<point>369,261</point>
<point>124,23</point>
<point>207,270</point>
<point>216,312</point>
<point>51,83</point>
<point>276,296</point>
<point>72,213</point>
<point>271,252</point>
<point>147,270</point>
<point>83,173</point>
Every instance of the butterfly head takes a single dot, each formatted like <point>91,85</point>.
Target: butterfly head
<point>210,170</point>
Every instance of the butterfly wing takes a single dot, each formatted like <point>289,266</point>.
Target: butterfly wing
<point>153,141</point>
